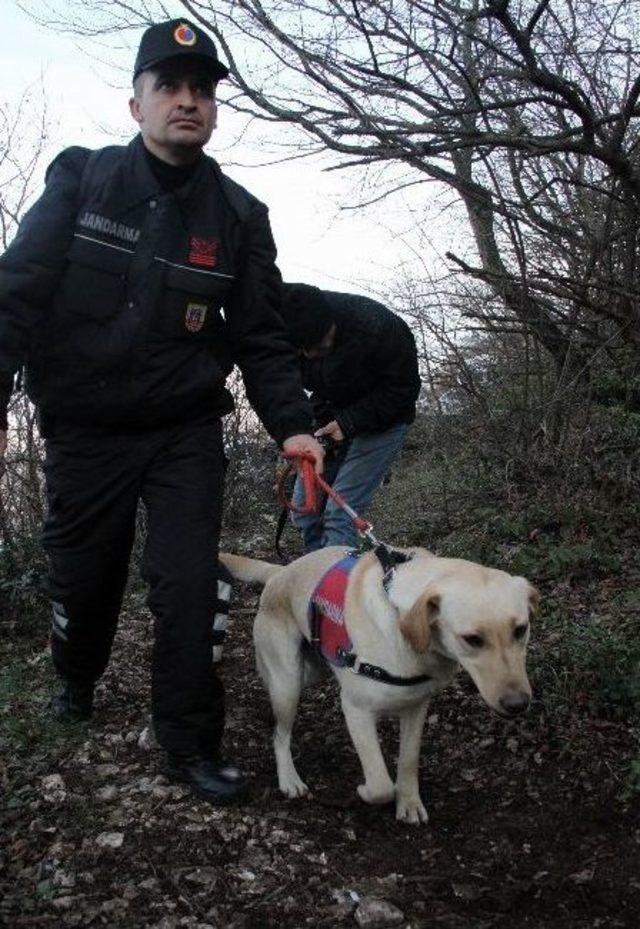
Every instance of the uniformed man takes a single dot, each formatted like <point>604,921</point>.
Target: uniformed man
<point>111,296</point>
<point>359,361</point>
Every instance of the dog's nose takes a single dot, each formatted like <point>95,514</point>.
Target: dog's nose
<point>514,702</point>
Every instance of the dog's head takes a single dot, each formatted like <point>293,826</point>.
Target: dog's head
<point>480,618</point>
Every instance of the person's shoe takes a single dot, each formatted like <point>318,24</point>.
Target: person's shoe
<point>74,703</point>
<point>212,781</point>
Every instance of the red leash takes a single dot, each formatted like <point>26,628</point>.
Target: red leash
<point>310,482</point>
<point>388,557</point>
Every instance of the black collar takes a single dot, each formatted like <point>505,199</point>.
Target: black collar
<point>358,666</point>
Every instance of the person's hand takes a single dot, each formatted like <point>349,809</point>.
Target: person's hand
<point>305,445</point>
<point>3,448</point>
<point>332,430</point>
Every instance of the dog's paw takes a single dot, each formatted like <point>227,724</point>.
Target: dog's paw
<point>411,810</point>
<point>378,795</point>
<point>292,787</point>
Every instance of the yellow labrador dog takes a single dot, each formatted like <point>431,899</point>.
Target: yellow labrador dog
<point>433,615</point>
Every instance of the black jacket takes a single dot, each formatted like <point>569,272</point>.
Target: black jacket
<point>369,381</point>
<point>111,295</point>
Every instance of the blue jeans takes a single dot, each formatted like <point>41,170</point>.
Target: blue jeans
<point>355,471</point>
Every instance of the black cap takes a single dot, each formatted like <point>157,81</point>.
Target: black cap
<point>177,38</point>
<point>307,314</point>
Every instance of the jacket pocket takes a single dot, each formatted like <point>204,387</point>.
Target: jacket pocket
<point>95,283</point>
<point>192,302</point>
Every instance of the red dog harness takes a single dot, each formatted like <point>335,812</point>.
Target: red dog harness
<point>328,633</point>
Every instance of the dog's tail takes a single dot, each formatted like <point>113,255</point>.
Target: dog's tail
<point>249,570</point>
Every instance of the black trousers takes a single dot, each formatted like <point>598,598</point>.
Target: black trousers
<point>94,483</point>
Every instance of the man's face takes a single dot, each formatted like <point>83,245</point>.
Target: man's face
<point>175,107</point>
<point>324,346</point>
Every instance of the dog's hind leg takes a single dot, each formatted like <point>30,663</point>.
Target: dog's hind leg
<point>409,807</point>
<point>378,786</point>
<point>279,661</point>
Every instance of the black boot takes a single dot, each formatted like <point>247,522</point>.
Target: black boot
<point>210,780</point>
<point>73,704</point>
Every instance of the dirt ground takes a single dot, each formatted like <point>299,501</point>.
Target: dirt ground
<point>528,823</point>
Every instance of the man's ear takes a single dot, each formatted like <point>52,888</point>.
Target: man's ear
<point>134,109</point>
<point>415,624</point>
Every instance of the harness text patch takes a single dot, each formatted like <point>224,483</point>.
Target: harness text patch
<point>326,610</point>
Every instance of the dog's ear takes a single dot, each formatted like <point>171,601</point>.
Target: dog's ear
<point>415,624</point>
<point>532,593</point>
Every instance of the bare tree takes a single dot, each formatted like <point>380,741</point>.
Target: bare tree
<point>24,132</point>
<point>526,109</point>
<point>24,136</point>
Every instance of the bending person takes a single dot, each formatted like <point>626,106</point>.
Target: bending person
<point>360,363</point>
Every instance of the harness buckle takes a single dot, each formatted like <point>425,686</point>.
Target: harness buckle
<point>355,667</point>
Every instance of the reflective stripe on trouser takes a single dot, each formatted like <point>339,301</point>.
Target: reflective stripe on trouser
<point>221,615</point>
<point>59,621</point>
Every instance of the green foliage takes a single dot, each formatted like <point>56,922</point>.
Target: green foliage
<point>26,684</point>
<point>632,785</point>
<point>586,663</point>
<point>618,386</point>
<point>23,582</point>
<point>574,561</point>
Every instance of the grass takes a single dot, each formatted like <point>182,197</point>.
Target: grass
<point>26,684</point>
<point>588,664</point>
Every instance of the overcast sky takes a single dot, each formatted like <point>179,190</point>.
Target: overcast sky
<point>318,241</point>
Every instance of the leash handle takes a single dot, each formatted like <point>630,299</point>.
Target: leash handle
<point>311,481</point>
<point>305,467</point>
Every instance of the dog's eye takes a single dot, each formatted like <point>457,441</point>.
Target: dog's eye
<point>475,641</point>
<point>520,631</point>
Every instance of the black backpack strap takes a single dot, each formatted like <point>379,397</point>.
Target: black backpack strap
<point>87,173</point>
<point>236,196</point>
<point>100,157</point>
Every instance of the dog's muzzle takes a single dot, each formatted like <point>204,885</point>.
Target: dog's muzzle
<point>514,703</point>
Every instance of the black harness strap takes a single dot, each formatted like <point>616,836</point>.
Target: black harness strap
<point>389,558</point>
<point>316,625</point>
<point>358,666</point>
<point>283,518</point>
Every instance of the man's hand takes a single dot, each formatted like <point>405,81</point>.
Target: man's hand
<point>3,448</point>
<point>333,430</point>
<point>305,445</point>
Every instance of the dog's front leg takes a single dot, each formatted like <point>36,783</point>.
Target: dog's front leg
<point>378,786</point>
<point>409,807</point>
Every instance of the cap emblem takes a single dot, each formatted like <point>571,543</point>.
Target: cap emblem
<point>184,35</point>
